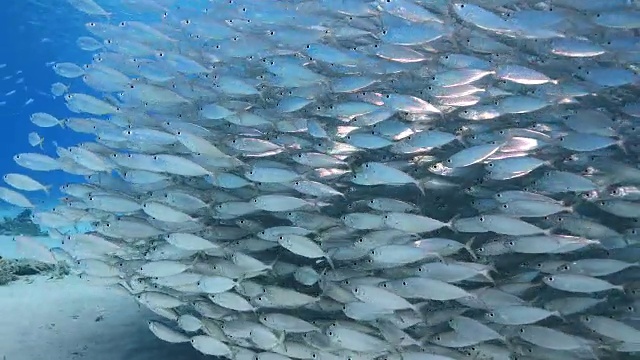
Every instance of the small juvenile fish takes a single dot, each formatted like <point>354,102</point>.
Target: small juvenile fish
<point>507,225</point>
<point>288,323</point>
<point>165,213</point>
<point>190,242</point>
<point>518,315</point>
<point>278,203</point>
<point>165,333</point>
<point>30,248</point>
<point>611,328</point>
<point>35,139</point>
<point>210,346</point>
<point>595,267</point>
<point>579,283</point>
<point>45,120</point>
<point>162,268</point>
<point>551,338</point>
<point>303,246</point>
<point>24,182</point>
<point>522,75</point>
<point>215,284</point>
<point>472,155</point>
<point>15,198</point>
<point>413,223</point>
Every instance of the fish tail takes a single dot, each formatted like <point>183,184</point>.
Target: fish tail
<point>450,223</point>
<point>467,246</point>
<point>330,262</point>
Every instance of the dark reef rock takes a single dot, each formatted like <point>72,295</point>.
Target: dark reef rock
<point>12,269</point>
<point>21,225</point>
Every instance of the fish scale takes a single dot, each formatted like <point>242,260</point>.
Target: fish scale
<point>284,174</point>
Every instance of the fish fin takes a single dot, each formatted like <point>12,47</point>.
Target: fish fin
<point>467,246</point>
<point>462,141</point>
<point>487,275</point>
<point>240,279</point>
<point>329,259</point>
<point>549,231</point>
<point>330,262</point>
<point>449,223</point>
<point>417,311</point>
<point>273,263</point>
<point>559,315</point>
<point>438,256</point>
<point>421,187</point>
<point>622,146</point>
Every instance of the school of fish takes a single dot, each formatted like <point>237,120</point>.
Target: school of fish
<point>357,179</point>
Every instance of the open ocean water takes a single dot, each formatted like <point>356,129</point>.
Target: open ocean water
<point>321,179</point>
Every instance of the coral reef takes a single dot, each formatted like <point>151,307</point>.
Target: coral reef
<point>12,269</point>
<point>20,225</point>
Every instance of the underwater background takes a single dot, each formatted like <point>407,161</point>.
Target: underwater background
<point>326,180</point>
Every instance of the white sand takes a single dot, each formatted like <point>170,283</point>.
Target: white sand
<point>68,319</point>
<point>57,320</point>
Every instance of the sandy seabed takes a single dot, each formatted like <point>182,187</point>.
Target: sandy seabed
<point>66,319</point>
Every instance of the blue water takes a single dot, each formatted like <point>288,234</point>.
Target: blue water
<point>31,36</point>
<point>34,34</point>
